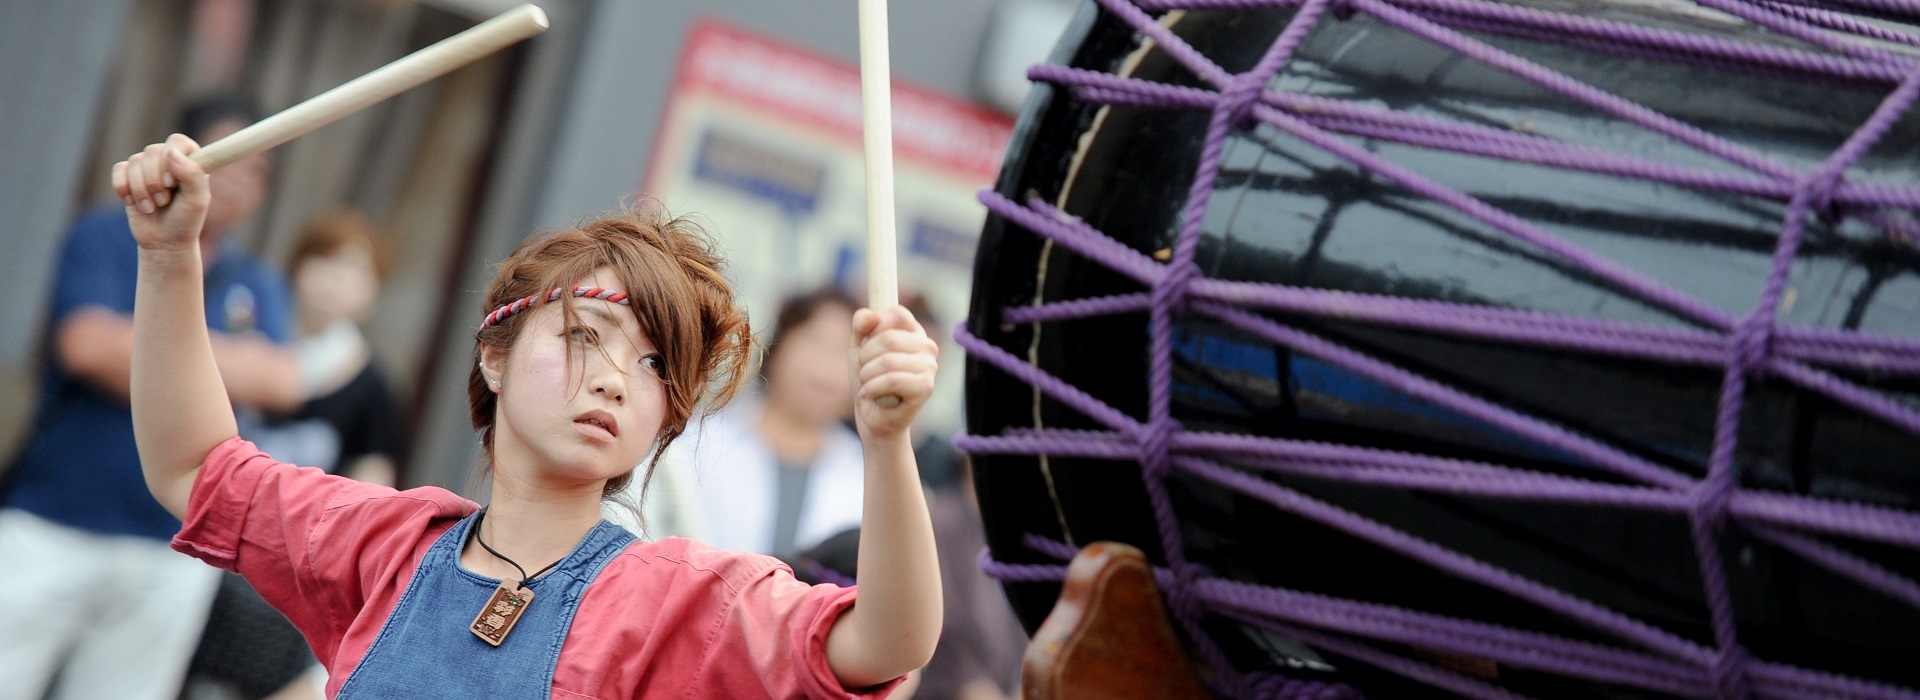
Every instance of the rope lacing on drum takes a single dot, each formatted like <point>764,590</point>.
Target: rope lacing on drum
<point>1267,686</point>
<point>1820,200</point>
<point>1745,346</point>
<point>1240,95</point>
<point>1169,301</point>
<point>1172,292</point>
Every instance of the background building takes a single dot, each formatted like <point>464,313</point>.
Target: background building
<point>459,171</point>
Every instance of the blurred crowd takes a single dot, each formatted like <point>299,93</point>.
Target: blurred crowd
<point>101,607</point>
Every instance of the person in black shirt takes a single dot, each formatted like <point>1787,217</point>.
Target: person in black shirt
<point>335,268</point>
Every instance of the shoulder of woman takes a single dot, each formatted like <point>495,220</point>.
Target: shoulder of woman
<point>438,502</point>
<point>370,516</point>
<point>679,557</point>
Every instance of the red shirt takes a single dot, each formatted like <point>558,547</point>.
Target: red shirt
<point>667,619</point>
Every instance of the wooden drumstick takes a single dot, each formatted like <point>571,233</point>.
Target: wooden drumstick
<point>388,80</point>
<point>876,112</point>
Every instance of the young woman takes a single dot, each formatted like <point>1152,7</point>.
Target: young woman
<point>602,342</point>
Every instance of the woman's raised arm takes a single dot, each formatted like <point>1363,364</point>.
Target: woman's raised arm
<point>180,407</point>
<point>896,623</point>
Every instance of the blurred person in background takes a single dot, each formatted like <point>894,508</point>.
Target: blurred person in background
<point>981,641</point>
<point>351,426</point>
<point>779,472</point>
<point>336,268</point>
<point>96,598</point>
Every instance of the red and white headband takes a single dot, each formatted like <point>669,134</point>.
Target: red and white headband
<point>529,301</point>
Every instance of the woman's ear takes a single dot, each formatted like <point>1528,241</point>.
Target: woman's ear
<point>492,364</point>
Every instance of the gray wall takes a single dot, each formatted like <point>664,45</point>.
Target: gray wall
<point>58,56</point>
<point>591,154</point>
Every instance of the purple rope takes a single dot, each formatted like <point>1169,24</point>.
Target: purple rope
<point>1535,327</point>
<point>1625,278</point>
<point>1540,652</point>
<point>1643,286</point>
<point>1907,9</point>
<point>1236,102</point>
<point>1747,356</point>
<point>1619,339</point>
<point>1403,471</point>
<point>1848,393</point>
<point>1785,23</point>
<point>1363,465</point>
<point>1284,609</point>
<point>1747,346</point>
<point>1889,7</point>
<point>1573,89</point>
<point>1540,431</point>
<point>1074,232</point>
<point>1620,38</point>
<point>1872,575</point>
<point>1266,686</point>
<point>1425,673</point>
<point>1343,117</point>
<point>1460,565</point>
<point>1841,22</point>
<point>1859,521</point>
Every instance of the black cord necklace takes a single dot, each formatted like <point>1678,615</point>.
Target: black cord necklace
<point>525,580</point>
<point>508,604</point>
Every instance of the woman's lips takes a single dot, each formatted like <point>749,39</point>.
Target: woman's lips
<point>597,424</point>
<point>593,431</point>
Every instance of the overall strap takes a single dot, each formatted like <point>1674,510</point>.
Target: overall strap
<point>426,649</point>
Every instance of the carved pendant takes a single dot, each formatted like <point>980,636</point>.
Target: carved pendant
<point>504,609</point>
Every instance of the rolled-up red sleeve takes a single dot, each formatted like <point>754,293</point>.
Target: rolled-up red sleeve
<point>314,545</point>
<point>773,640</point>
<point>251,514</point>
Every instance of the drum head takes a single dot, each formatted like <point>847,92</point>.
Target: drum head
<point>1285,212</point>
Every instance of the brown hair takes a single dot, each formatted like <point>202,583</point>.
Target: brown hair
<point>668,268</point>
<point>334,231</point>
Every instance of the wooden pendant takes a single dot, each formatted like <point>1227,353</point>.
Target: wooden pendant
<point>497,618</point>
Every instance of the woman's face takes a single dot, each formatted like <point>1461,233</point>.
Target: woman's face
<point>578,404</point>
<point>808,372</point>
<point>337,287</point>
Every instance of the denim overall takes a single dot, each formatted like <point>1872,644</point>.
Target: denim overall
<point>427,651</point>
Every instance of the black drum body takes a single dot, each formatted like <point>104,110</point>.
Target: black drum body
<point>1285,212</point>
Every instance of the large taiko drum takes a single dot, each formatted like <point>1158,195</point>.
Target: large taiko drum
<point>1562,349</point>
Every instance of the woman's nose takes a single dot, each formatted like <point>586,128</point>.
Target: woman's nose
<point>608,382</point>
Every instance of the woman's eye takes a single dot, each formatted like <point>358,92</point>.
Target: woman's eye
<point>581,334</point>
<point>654,364</point>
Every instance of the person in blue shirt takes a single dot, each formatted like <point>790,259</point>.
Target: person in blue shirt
<point>95,597</point>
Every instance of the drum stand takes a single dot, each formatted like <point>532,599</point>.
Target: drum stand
<point>1108,637</point>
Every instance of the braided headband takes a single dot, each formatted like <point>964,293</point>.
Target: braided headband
<point>529,301</point>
